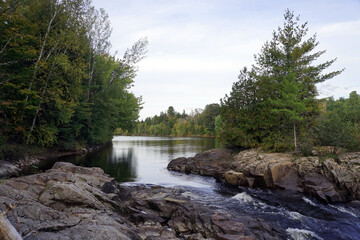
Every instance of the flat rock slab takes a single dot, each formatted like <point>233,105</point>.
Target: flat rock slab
<point>72,202</point>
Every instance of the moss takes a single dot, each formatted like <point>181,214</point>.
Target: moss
<point>324,157</point>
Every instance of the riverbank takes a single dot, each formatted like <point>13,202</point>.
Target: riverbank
<point>174,136</point>
<point>329,179</point>
<point>27,163</point>
<point>74,202</point>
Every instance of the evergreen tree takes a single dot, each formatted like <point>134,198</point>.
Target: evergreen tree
<point>276,98</point>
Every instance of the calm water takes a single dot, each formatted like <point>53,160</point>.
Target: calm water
<point>144,159</point>
<point>137,160</point>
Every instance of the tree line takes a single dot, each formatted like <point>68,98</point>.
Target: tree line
<point>59,84</point>
<point>274,104</point>
<point>171,123</point>
<point>61,87</point>
<point>339,125</point>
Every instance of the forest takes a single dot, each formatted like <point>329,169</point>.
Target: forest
<point>59,84</point>
<point>61,87</point>
<point>171,123</point>
<point>274,104</point>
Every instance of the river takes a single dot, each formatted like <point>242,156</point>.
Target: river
<point>143,160</point>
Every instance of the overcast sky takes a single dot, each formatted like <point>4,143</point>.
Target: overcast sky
<point>197,47</point>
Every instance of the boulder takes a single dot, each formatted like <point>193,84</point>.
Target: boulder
<point>8,169</point>
<point>214,162</point>
<point>284,176</point>
<point>64,203</point>
<point>318,186</point>
<point>236,178</point>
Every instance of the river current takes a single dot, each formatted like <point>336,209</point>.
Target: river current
<point>143,160</point>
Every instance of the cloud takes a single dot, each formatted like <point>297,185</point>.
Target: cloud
<point>196,48</point>
<point>186,64</point>
<point>341,29</point>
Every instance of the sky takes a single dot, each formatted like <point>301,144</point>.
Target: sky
<point>198,47</point>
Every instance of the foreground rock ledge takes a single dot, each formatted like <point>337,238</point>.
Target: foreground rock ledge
<point>328,179</point>
<point>71,202</point>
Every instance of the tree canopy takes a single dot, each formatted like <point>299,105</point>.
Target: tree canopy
<point>171,123</point>
<point>59,84</point>
<point>339,125</point>
<point>273,104</point>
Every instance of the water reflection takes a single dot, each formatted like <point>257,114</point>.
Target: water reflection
<point>143,159</point>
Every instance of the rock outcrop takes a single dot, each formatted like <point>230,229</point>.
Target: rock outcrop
<point>71,202</point>
<point>329,179</point>
<point>65,202</point>
<point>214,162</point>
<point>8,170</point>
<point>168,213</point>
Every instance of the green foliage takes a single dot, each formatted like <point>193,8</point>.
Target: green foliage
<point>273,104</point>
<point>12,152</point>
<point>307,146</point>
<point>340,125</point>
<point>59,84</point>
<point>172,123</point>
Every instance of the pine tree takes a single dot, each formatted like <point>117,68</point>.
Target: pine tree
<point>275,100</point>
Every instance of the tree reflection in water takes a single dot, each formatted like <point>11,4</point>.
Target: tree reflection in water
<point>142,159</point>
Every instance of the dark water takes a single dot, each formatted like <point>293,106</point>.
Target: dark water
<point>144,159</point>
<point>137,160</point>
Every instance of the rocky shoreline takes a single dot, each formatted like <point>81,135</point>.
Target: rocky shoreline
<point>328,179</point>
<point>19,166</point>
<point>71,202</point>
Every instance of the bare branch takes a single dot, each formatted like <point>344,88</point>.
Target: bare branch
<point>3,49</point>
<point>7,63</point>
<point>137,52</point>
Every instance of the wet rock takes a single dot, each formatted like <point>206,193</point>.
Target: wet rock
<point>192,220</point>
<point>355,204</point>
<point>71,202</point>
<point>318,186</point>
<point>332,180</point>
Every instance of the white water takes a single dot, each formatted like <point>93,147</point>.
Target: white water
<point>295,215</point>
<point>143,160</point>
<point>243,197</point>
<point>309,201</point>
<point>342,209</point>
<point>301,234</point>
